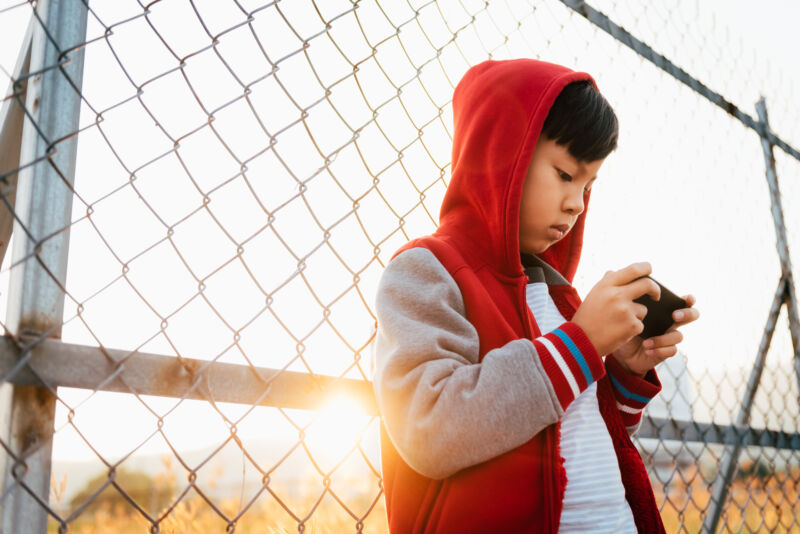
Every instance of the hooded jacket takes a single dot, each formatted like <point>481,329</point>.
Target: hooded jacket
<point>470,390</point>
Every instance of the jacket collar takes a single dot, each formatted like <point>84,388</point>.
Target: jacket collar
<point>538,270</point>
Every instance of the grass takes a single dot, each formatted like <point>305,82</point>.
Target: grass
<point>755,504</point>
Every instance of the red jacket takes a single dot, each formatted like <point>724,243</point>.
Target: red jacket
<point>499,108</point>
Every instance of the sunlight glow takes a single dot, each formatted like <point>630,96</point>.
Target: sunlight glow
<point>337,430</point>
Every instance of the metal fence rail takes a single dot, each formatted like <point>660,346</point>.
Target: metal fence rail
<point>229,178</point>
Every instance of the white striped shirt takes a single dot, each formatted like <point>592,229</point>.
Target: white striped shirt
<point>594,500</point>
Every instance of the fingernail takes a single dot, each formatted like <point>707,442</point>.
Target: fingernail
<point>649,344</point>
<point>679,315</point>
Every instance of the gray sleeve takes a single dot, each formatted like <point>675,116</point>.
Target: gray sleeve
<point>443,409</point>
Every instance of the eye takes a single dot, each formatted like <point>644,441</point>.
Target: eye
<point>567,178</point>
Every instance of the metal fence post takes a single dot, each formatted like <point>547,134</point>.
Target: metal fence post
<point>730,455</point>
<point>11,120</point>
<point>41,237</point>
<point>784,294</point>
<point>782,243</point>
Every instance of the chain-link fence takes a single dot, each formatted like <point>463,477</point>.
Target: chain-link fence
<point>203,194</point>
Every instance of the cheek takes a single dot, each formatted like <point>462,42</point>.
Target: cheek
<point>524,216</point>
<point>530,210</point>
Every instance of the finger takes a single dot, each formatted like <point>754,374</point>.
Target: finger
<point>639,310</point>
<point>665,340</point>
<point>662,353</point>
<point>643,286</point>
<point>685,315</point>
<point>630,273</point>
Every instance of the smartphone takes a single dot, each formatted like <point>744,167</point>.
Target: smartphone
<point>659,312</point>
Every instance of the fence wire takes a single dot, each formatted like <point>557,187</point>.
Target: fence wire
<point>200,196</point>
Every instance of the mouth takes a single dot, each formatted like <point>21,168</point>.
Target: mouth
<point>558,231</point>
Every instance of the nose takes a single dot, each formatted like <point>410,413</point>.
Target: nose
<point>573,203</point>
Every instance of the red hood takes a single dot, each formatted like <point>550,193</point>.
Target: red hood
<point>499,108</point>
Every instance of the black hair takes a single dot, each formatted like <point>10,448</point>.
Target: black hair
<point>583,120</point>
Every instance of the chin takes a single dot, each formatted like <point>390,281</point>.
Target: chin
<point>537,249</point>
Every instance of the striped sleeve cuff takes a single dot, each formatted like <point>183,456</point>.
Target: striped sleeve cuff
<point>632,393</point>
<point>570,361</point>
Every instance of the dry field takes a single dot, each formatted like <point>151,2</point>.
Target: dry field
<point>755,504</point>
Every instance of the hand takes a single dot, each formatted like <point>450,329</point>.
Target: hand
<point>639,356</point>
<point>608,315</point>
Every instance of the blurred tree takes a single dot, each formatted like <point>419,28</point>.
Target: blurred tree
<point>138,486</point>
<point>760,469</point>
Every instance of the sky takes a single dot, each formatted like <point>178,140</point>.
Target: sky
<point>685,190</point>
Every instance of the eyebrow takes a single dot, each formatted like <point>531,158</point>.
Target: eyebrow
<point>583,165</point>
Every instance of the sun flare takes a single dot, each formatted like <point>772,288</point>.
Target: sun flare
<point>338,428</point>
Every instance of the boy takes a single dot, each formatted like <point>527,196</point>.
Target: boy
<point>508,403</point>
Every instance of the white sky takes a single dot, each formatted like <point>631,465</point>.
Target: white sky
<point>685,190</point>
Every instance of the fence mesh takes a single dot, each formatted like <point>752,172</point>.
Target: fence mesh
<point>244,170</point>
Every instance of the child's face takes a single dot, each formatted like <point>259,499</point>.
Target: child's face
<point>552,195</point>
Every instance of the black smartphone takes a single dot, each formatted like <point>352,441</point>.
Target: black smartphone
<point>659,312</point>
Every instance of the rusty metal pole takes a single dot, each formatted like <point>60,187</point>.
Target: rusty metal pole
<point>43,206</point>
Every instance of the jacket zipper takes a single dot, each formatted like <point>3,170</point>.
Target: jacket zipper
<point>549,454</point>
